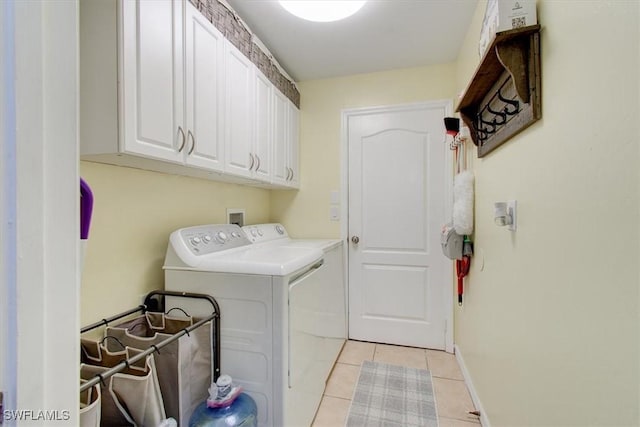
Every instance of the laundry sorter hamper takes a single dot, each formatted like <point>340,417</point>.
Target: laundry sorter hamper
<point>154,365</point>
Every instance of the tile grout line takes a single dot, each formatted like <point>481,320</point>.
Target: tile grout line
<point>335,397</point>
<point>446,378</point>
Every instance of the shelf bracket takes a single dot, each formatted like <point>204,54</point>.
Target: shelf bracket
<point>513,54</point>
<point>504,95</point>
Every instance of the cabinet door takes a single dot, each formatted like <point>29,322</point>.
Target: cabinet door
<point>151,109</point>
<point>263,124</point>
<point>238,111</point>
<point>204,94</point>
<point>294,143</point>
<point>280,138</point>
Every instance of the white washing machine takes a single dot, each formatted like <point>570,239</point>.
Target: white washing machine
<point>266,296</point>
<point>324,327</point>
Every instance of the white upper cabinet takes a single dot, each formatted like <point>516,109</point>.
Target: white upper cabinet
<point>285,142</point>
<point>162,89</point>
<point>294,145</point>
<point>263,120</point>
<point>238,113</point>
<point>205,92</point>
<point>152,112</point>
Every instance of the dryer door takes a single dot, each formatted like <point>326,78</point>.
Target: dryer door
<point>306,379</point>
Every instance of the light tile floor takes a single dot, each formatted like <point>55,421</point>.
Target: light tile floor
<point>452,397</point>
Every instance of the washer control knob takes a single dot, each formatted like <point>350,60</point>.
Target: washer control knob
<point>254,233</point>
<point>280,229</point>
<point>235,234</point>
<point>206,238</point>
<point>221,237</point>
<point>260,233</point>
<point>195,240</point>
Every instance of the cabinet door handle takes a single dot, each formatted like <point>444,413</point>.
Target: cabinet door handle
<point>193,141</point>
<point>184,139</point>
<point>252,161</point>
<point>288,174</point>
<point>258,165</point>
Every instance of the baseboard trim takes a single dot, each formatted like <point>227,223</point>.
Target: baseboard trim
<point>484,420</point>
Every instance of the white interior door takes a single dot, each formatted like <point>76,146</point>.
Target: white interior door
<point>399,281</point>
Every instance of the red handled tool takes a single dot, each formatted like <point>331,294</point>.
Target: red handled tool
<point>462,269</point>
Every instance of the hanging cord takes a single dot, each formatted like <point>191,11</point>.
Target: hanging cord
<point>179,309</point>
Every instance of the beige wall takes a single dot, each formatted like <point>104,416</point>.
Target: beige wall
<point>549,330</point>
<point>306,213</point>
<point>134,213</point>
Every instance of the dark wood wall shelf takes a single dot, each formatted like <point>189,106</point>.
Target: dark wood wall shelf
<point>504,95</point>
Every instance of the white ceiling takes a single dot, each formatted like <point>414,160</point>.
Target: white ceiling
<point>383,35</point>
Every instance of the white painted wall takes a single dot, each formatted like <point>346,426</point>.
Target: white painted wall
<point>549,330</point>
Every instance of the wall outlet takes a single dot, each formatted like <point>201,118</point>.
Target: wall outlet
<point>512,206</point>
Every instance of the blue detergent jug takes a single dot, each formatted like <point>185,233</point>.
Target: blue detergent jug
<point>227,406</point>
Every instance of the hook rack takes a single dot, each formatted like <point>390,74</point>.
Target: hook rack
<point>504,95</point>
<point>496,114</point>
<point>149,301</point>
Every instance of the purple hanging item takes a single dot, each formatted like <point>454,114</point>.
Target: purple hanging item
<point>86,207</point>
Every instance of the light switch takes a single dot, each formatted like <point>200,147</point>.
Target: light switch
<point>334,213</point>
<point>335,197</point>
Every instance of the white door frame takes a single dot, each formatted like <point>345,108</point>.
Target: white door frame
<point>344,183</point>
<point>40,43</point>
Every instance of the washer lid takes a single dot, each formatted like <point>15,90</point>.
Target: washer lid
<point>323,244</point>
<point>276,234</point>
<point>268,261</point>
<point>272,261</point>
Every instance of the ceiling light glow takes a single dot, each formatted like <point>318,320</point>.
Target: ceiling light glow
<point>322,10</point>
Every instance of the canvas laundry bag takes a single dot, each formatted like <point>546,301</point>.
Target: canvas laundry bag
<point>131,397</point>
<point>184,366</point>
<point>90,401</point>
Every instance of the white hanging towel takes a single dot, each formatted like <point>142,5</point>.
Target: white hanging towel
<point>463,203</point>
<point>463,195</point>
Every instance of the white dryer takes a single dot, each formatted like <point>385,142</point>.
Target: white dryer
<point>329,311</point>
<point>263,293</point>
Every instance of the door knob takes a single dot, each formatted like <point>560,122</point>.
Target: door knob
<point>355,239</point>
